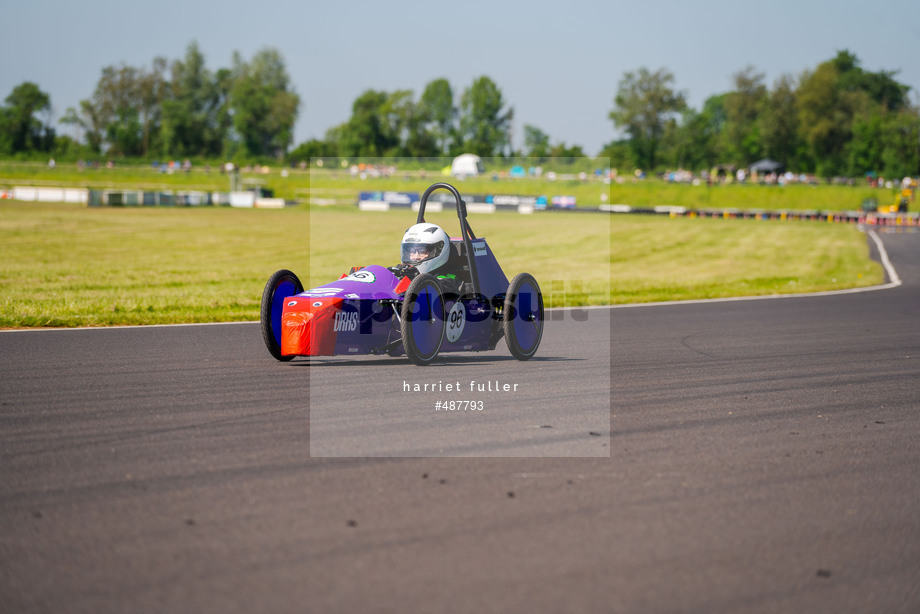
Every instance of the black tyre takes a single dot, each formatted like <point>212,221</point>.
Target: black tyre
<point>522,316</point>
<point>280,286</point>
<point>422,320</point>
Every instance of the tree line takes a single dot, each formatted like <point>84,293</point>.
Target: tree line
<point>837,119</point>
<point>396,124</point>
<point>178,109</point>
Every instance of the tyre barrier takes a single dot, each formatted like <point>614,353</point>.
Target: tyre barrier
<point>846,217</point>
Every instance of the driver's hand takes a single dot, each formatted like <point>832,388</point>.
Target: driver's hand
<point>402,270</point>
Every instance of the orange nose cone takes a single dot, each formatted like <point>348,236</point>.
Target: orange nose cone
<point>307,326</point>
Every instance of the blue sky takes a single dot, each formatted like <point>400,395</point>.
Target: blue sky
<point>557,63</point>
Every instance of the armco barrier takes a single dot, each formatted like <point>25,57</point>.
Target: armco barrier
<point>144,198</point>
<point>475,203</point>
<point>378,201</point>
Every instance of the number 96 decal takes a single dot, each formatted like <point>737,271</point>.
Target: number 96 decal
<point>363,276</point>
<point>456,320</point>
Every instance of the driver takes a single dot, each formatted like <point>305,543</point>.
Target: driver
<point>425,247</point>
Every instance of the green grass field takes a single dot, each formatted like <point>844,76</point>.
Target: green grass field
<point>66,265</point>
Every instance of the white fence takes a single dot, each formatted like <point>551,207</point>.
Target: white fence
<point>135,198</point>
<point>49,195</point>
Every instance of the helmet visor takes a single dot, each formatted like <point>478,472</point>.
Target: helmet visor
<point>415,252</point>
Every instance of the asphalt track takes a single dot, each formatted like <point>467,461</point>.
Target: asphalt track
<point>759,456</point>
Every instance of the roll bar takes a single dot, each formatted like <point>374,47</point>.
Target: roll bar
<point>466,233</point>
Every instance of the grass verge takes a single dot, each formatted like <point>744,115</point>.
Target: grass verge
<point>66,265</point>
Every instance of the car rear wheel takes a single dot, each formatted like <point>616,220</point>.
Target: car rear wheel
<point>280,286</point>
<point>422,320</point>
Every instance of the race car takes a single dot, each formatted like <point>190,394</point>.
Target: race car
<point>446,295</point>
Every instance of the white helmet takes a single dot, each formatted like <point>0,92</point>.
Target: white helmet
<point>426,247</point>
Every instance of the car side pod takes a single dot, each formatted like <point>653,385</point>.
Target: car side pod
<point>522,316</point>
<point>281,285</point>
